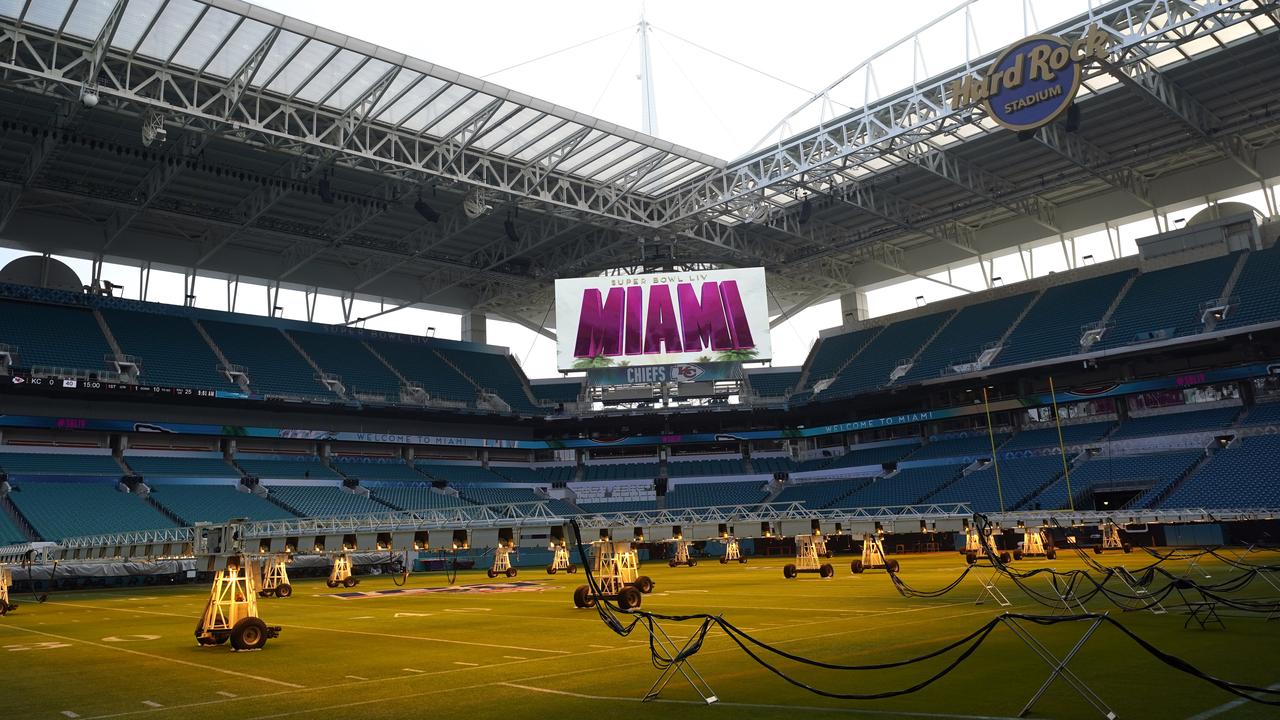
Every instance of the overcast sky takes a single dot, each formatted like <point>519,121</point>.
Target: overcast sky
<point>725,73</point>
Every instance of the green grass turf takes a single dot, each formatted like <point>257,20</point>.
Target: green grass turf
<point>531,654</point>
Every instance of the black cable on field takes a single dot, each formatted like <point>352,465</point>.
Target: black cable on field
<point>610,613</point>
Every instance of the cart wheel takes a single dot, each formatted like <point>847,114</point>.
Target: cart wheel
<point>1127,548</point>
<point>284,590</point>
<point>692,562</point>
<point>856,566</point>
<point>742,561</point>
<point>1004,557</point>
<point>582,597</point>
<point>491,573</point>
<point>826,571</point>
<point>205,641</point>
<point>1017,554</point>
<point>644,584</point>
<point>551,569</point>
<point>249,634</point>
<point>331,583</point>
<point>788,571</point>
<point>573,569</point>
<point>970,557</point>
<point>1050,554</point>
<point>892,566</point>
<point>629,597</point>
<point>4,608</point>
<point>724,561</point>
<point>671,563</point>
<point>350,582</point>
<point>511,573</point>
<point>1097,549</point>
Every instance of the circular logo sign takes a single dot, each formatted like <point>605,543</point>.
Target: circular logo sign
<point>1033,82</point>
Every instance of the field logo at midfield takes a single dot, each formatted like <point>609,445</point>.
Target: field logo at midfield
<point>480,589</point>
<point>1033,81</point>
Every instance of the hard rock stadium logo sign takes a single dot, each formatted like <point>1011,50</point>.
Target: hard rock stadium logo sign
<point>1033,81</point>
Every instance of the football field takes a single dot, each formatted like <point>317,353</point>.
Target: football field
<point>518,648</point>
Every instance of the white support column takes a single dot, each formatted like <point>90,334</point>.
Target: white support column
<point>475,328</point>
<point>853,307</point>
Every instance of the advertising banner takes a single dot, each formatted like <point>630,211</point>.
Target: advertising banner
<point>654,374</point>
<point>702,316</point>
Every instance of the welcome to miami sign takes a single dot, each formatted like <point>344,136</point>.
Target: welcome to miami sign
<point>662,319</point>
<point>1034,80</point>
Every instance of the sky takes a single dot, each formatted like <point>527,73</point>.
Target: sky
<point>725,73</point>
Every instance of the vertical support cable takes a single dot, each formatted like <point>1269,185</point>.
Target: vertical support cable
<point>1062,447</point>
<point>995,461</point>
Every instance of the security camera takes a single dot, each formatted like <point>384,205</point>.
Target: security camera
<point>90,99</point>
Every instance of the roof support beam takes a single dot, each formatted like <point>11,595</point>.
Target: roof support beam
<point>1148,82</point>
<point>1094,160</point>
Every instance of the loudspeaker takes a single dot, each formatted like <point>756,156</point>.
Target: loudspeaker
<point>660,486</point>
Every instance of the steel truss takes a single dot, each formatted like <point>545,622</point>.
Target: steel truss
<point>848,149</point>
<point>195,541</point>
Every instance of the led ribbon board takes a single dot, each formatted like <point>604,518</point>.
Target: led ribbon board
<point>662,319</point>
<point>1033,81</point>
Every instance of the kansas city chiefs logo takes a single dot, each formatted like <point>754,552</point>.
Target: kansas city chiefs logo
<point>687,373</point>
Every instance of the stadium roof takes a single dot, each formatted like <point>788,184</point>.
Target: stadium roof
<point>297,155</point>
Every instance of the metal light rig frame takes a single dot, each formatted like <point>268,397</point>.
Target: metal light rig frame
<point>275,577</point>
<point>341,573</point>
<point>873,555</point>
<point>502,560</point>
<point>732,551</point>
<point>616,568</point>
<point>1036,542</point>
<point>231,612</point>
<point>560,560</point>
<point>6,582</point>
<point>681,556</point>
<point>807,559</point>
<point>974,547</point>
<point>1111,539</point>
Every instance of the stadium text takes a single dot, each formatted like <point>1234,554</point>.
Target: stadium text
<point>626,322</point>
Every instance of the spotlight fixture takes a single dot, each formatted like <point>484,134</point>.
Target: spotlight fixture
<point>325,190</point>
<point>425,210</point>
<point>806,211</point>
<point>1073,118</point>
<point>474,205</point>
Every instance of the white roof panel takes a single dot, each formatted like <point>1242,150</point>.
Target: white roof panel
<point>332,72</point>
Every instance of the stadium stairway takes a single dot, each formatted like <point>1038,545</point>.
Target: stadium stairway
<point>241,380</point>
<point>1211,323</point>
<point>17,520</point>
<point>834,353</point>
<point>110,337</point>
<point>338,388</point>
<point>914,360</point>
<point>173,516</point>
<point>1142,501</point>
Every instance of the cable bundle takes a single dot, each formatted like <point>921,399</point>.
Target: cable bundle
<point>611,615</point>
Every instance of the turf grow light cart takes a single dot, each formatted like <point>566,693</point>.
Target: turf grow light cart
<point>1111,539</point>
<point>873,555</point>
<point>616,568</point>
<point>275,577</point>
<point>975,542</point>
<point>231,613</point>
<point>807,559</point>
<point>731,551</point>
<point>506,544</point>
<point>6,582</point>
<point>342,572</point>
<point>681,554</point>
<point>1036,542</point>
